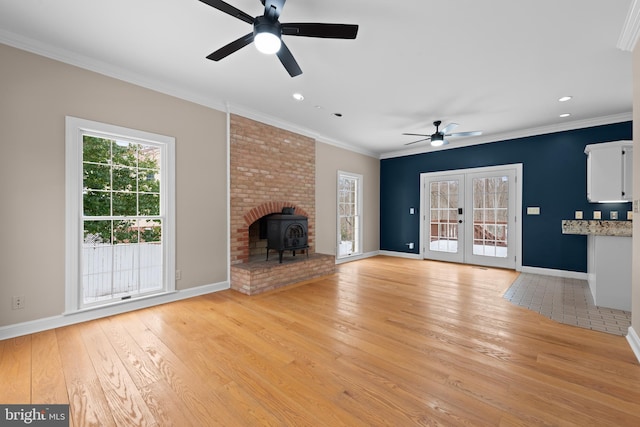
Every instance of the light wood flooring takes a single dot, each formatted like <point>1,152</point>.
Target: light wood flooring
<point>385,341</point>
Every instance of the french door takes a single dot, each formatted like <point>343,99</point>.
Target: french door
<point>470,216</point>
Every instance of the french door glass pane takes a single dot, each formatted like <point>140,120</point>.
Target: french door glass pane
<point>490,208</point>
<point>444,216</point>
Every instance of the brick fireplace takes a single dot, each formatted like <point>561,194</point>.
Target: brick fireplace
<point>271,169</point>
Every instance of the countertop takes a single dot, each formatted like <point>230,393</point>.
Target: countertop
<point>597,227</point>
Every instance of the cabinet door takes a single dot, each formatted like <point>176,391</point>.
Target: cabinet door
<point>604,176</point>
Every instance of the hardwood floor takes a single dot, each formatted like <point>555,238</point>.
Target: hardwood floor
<point>386,341</point>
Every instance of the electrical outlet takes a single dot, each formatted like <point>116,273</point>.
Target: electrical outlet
<point>178,274</point>
<point>17,302</point>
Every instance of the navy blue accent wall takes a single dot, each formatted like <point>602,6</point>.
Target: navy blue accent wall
<point>554,178</point>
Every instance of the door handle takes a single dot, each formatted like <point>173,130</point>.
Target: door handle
<point>459,221</point>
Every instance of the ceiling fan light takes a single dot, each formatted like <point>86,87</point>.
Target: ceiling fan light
<point>437,140</point>
<point>266,35</point>
<point>267,43</point>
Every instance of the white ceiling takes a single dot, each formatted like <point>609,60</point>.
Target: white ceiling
<point>494,65</point>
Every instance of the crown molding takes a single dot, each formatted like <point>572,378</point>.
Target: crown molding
<point>291,127</point>
<point>70,58</point>
<point>100,67</point>
<point>631,29</point>
<point>505,136</point>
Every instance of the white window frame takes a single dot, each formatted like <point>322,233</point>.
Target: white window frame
<point>76,128</point>
<point>359,207</point>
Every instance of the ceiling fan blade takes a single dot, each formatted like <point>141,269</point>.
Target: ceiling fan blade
<point>420,140</point>
<point>448,128</point>
<point>416,134</point>
<point>328,31</point>
<point>273,8</point>
<point>234,46</point>
<point>289,62</point>
<point>474,133</point>
<point>230,10</point>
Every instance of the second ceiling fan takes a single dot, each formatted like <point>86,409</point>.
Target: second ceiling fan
<point>438,137</point>
<point>267,32</point>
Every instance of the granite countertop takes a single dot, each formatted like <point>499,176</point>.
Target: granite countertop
<point>597,227</point>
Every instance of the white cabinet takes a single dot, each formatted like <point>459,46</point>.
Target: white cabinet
<point>609,271</point>
<point>609,171</point>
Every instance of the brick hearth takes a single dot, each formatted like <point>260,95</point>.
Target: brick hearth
<point>260,276</point>
<point>271,168</point>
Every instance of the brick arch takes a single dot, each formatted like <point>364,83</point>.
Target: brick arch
<point>269,208</point>
<point>240,231</point>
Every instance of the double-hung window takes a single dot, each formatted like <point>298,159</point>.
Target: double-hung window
<point>120,214</point>
<point>349,214</point>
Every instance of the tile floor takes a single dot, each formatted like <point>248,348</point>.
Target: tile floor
<point>566,301</point>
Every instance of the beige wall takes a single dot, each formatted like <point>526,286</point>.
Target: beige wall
<point>330,160</point>
<point>35,96</point>
<point>635,257</point>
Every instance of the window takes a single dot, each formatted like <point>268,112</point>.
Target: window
<point>120,214</point>
<point>349,214</point>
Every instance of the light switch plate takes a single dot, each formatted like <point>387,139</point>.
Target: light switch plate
<point>533,210</point>
<point>629,215</point>
<point>578,214</point>
<point>597,215</point>
<point>613,215</point>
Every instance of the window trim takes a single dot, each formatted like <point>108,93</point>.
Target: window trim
<point>360,215</point>
<point>75,128</point>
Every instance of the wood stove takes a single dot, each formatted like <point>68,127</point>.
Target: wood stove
<point>287,232</point>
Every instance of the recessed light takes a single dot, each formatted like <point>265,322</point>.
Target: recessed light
<point>565,98</point>
<point>565,115</point>
<point>298,96</point>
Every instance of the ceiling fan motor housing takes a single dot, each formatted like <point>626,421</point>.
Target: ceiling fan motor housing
<point>263,24</point>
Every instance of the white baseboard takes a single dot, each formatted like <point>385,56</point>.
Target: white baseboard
<point>44,324</point>
<point>554,273</point>
<point>356,257</point>
<point>634,342</point>
<point>401,254</point>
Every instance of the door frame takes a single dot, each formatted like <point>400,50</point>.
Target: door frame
<point>517,167</point>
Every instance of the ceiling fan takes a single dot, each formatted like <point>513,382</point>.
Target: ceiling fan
<point>437,138</point>
<point>267,32</point>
